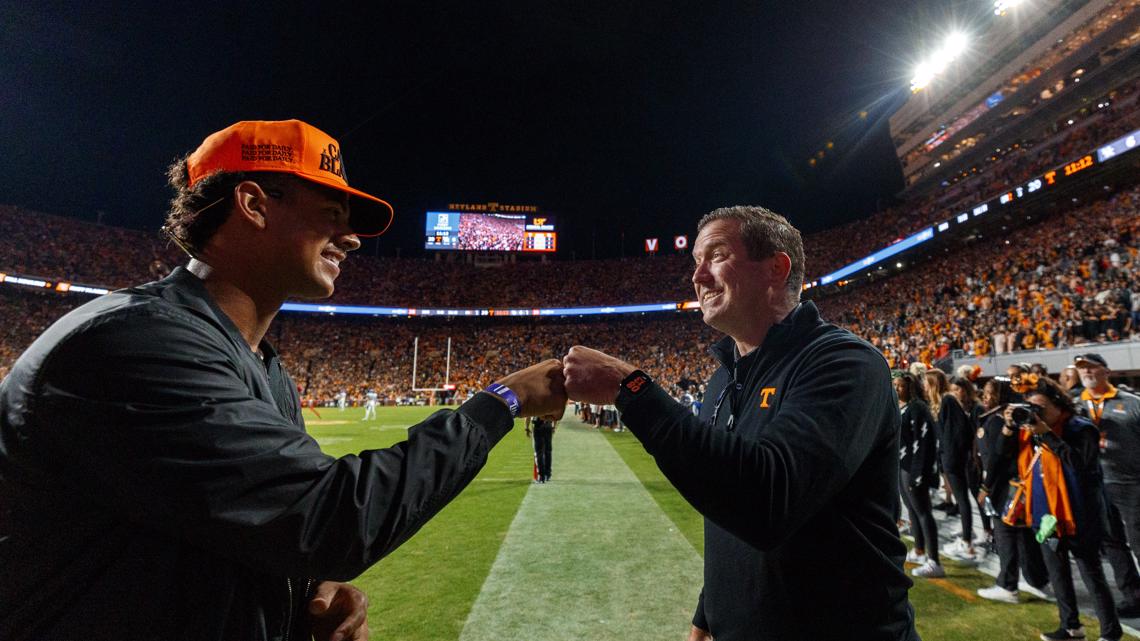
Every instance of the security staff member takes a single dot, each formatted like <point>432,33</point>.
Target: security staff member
<point>1116,414</point>
<point>542,429</point>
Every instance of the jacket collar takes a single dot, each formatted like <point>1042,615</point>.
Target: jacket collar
<point>1086,395</point>
<point>184,289</point>
<point>777,342</point>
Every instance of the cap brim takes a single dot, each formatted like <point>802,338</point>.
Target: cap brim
<point>368,215</point>
<point>1081,359</point>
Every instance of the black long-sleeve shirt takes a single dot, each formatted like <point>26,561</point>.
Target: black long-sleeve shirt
<point>156,480</point>
<point>798,480</point>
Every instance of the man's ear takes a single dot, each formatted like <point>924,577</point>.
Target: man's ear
<point>251,203</point>
<point>781,267</point>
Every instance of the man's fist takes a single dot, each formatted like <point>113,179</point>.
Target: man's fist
<point>540,389</point>
<point>593,376</point>
<point>339,612</point>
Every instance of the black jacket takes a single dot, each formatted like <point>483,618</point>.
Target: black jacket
<point>956,429</point>
<point>156,480</point>
<point>999,459</point>
<point>1078,447</point>
<point>918,445</point>
<point>798,480</point>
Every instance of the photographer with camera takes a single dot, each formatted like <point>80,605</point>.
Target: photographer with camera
<point>1058,463</point>
<point>1016,547</point>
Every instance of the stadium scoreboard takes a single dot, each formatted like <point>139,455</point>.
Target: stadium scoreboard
<point>502,230</point>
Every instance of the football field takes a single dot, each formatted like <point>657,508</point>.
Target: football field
<point>605,550</point>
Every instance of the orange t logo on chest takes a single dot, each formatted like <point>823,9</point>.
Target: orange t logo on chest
<point>764,394</point>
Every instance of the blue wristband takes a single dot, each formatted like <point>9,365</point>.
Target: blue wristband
<point>508,396</point>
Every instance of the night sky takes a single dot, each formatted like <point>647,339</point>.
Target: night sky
<point>620,117</point>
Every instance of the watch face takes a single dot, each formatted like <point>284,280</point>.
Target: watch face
<point>636,382</point>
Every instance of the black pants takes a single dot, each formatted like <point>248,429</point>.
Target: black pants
<point>974,482</point>
<point>1016,549</point>
<point>1122,537</point>
<point>543,446</point>
<point>922,523</point>
<point>1092,573</point>
<point>961,490</point>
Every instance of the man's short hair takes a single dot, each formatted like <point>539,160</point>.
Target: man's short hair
<point>764,233</point>
<point>196,213</point>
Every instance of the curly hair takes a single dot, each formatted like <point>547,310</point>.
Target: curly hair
<point>197,212</point>
<point>1056,394</point>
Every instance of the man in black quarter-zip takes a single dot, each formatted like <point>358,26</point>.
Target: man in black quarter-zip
<point>156,479</point>
<point>793,460</point>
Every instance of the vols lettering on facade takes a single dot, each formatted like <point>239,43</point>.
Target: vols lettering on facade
<point>765,394</point>
<point>332,162</point>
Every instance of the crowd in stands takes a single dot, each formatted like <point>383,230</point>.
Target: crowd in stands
<point>490,233</point>
<point>1071,279</point>
<point>62,248</point>
<point>326,355</point>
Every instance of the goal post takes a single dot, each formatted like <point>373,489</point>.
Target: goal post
<point>446,372</point>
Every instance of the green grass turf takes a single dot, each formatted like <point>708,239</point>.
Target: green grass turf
<point>425,589</point>
<point>947,610</point>
<point>589,555</point>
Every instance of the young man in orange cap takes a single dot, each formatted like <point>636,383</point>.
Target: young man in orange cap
<point>156,480</point>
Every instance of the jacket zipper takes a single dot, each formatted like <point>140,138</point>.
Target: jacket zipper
<point>289,610</point>
<point>289,615</point>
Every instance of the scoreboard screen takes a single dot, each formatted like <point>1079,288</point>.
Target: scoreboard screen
<point>465,231</point>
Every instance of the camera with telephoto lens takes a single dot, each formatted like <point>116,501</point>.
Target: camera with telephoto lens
<point>1025,413</point>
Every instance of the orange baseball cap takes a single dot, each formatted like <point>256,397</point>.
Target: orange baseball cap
<point>291,147</point>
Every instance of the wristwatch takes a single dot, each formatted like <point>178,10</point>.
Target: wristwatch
<point>507,395</point>
<point>636,382</point>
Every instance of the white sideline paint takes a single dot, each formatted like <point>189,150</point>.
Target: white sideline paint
<point>589,555</point>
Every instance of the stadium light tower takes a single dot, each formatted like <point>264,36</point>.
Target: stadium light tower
<point>952,48</point>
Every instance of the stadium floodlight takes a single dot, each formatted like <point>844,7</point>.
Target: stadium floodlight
<point>923,74</point>
<point>952,48</point>
<point>1001,7</point>
<point>955,45</point>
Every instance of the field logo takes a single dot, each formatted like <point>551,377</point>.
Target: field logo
<point>764,394</point>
